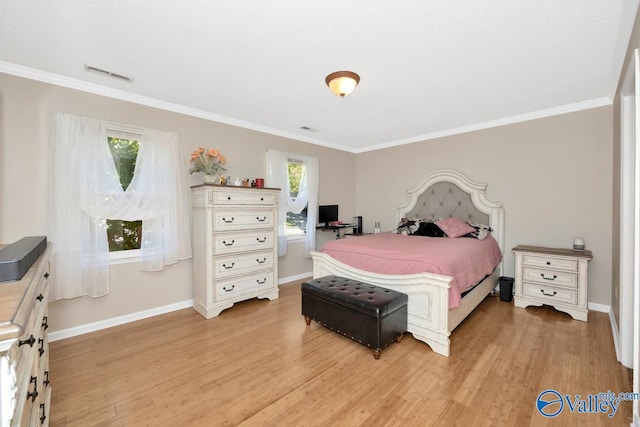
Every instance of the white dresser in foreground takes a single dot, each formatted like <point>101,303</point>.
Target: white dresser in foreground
<point>235,246</point>
<point>552,276</point>
<point>25,392</point>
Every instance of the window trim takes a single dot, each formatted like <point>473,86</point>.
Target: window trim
<point>127,256</point>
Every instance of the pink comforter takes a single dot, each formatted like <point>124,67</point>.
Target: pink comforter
<point>466,259</point>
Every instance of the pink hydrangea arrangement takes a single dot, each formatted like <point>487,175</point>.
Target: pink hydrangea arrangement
<point>209,161</point>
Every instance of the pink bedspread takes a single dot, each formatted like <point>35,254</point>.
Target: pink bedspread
<point>467,260</point>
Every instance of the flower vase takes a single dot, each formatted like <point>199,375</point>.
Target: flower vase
<point>210,179</point>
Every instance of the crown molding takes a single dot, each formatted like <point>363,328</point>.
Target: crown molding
<point>540,114</point>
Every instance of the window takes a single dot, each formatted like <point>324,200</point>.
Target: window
<point>124,235</point>
<point>157,194</point>
<point>296,222</point>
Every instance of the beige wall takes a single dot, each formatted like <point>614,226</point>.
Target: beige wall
<point>553,176</point>
<point>25,109</point>
<point>634,43</point>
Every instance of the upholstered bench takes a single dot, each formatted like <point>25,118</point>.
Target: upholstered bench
<point>371,315</point>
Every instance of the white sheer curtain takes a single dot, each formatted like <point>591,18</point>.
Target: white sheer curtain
<point>85,191</point>
<point>278,176</point>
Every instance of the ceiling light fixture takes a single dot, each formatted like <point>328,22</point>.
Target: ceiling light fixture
<point>342,82</point>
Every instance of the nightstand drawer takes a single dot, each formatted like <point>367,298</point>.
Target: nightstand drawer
<point>550,277</point>
<point>551,263</point>
<point>550,294</point>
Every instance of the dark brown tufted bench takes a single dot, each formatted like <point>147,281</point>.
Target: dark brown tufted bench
<point>371,315</point>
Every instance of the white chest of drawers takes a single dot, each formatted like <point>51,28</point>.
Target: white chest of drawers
<point>551,276</point>
<point>235,246</point>
<point>25,392</point>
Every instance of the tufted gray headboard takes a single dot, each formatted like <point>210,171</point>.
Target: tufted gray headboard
<point>445,199</point>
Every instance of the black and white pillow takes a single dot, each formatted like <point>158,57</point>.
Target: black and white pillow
<point>429,229</point>
<point>408,226</point>
<point>482,231</point>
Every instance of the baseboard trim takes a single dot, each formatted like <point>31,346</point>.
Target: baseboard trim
<point>115,321</point>
<point>602,308</point>
<point>295,278</point>
<point>615,332</point>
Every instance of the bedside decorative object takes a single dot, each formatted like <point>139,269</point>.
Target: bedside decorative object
<point>208,161</point>
<point>578,243</point>
<point>552,276</point>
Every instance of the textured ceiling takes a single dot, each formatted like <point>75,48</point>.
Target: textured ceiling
<point>428,68</point>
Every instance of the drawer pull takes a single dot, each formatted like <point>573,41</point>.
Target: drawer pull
<point>264,239</point>
<point>41,349</point>
<point>43,416</point>
<point>230,289</point>
<point>228,221</point>
<point>33,394</point>
<point>264,259</point>
<point>548,295</point>
<point>29,341</point>
<point>264,218</point>
<point>229,267</point>
<point>46,275</point>
<point>228,197</point>
<point>259,282</point>
<point>548,262</point>
<point>548,278</point>
<point>45,323</point>
<point>224,242</point>
<point>40,297</point>
<point>46,379</point>
<point>262,199</point>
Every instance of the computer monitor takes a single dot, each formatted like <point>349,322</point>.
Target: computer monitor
<point>327,214</point>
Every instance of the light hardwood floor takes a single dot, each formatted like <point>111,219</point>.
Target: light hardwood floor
<point>258,364</point>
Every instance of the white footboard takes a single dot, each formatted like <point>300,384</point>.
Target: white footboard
<point>428,306</point>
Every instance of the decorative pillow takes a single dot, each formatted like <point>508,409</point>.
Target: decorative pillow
<point>454,227</point>
<point>429,229</point>
<point>481,231</point>
<point>407,226</point>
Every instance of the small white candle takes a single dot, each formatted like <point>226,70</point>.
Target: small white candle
<point>578,243</point>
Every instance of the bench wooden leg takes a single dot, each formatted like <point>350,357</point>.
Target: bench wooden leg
<point>307,319</point>
<point>376,353</point>
<point>399,338</point>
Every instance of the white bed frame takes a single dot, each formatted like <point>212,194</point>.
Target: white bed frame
<point>429,318</point>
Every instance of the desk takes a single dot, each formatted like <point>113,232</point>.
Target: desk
<point>336,228</point>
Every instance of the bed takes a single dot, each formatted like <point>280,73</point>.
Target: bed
<point>431,318</point>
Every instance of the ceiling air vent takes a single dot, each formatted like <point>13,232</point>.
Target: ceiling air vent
<point>307,128</point>
<point>107,73</point>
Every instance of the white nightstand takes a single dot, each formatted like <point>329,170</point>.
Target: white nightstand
<point>552,276</point>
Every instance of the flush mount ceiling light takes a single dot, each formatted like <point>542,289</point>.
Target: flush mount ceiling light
<point>342,82</point>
